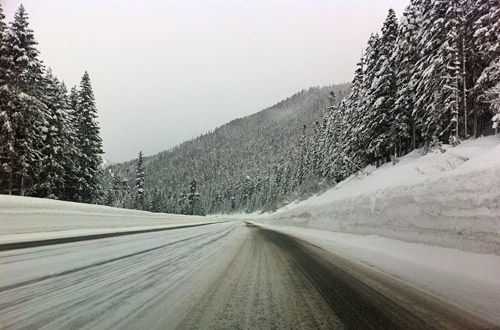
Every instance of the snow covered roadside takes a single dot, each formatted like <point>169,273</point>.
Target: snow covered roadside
<point>468,280</point>
<point>450,199</point>
<point>25,219</point>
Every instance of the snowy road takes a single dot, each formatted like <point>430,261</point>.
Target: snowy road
<point>220,276</point>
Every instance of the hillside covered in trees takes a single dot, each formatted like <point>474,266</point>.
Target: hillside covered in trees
<point>244,165</point>
<point>432,77</point>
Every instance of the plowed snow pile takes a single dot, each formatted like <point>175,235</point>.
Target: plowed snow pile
<point>29,218</point>
<point>449,198</point>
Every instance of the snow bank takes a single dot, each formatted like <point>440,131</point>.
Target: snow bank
<point>451,199</point>
<point>465,279</point>
<point>23,215</point>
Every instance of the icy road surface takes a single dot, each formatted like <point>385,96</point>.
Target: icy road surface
<point>220,276</point>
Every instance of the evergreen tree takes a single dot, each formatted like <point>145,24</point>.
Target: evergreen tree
<point>405,57</point>
<point>140,194</point>
<point>117,192</point>
<point>495,105</point>
<point>485,21</point>
<point>58,149</point>
<point>382,92</point>
<point>73,183</point>
<point>194,206</point>
<point>89,142</point>
<point>451,51</point>
<point>23,116</point>
<point>365,127</point>
<point>3,26</point>
<point>304,163</point>
<point>353,148</point>
<point>158,201</point>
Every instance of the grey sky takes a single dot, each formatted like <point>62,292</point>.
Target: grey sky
<point>166,71</point>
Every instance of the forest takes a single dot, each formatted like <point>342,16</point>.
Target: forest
<point>430,78</point>
<point>49,137</point>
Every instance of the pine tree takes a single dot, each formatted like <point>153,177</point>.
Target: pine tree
<point>58,149</point>
<point>3,26</point>
<point>495,103</point>
<point>89,142</point>
<point>405,59</point>
<point>71,153</point>
<point>117,192</point>
<point>485,21</point>
<point>352,149</point>
<point>432,119</point>
<point>194,206</point>
<point>303,166</point>
<point>140,194</point>
<point>366,128</point>
<point>158,201</point>
<point>382,92</point>
<point>451,73</point>
<point>6,131</point>
<point>23,116</point>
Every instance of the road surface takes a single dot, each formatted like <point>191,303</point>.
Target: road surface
<point>228,275</point>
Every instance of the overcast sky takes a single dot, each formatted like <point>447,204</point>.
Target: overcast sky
<point>166,71</point>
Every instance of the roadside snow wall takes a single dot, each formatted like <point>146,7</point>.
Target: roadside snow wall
<point>449,199</point>
<point>21,215</point>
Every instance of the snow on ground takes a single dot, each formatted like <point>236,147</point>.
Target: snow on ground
<point>450,199</point>
<point>27,218</point>
<point>468,280</point>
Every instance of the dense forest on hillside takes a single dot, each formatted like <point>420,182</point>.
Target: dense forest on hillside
<point>238,166</point>
<point>430,78</point>
<point>49,138</point>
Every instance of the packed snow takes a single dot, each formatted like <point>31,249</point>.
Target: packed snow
<point>449,198</point>
<point>28,218</point>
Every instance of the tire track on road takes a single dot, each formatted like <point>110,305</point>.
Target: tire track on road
<point>364,299</point>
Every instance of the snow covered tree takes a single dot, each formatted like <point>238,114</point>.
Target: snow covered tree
<point>89,142</point>
<point>23,115</point>
<point>485,21</point>
<point>405,57</point>
<point>139,192</point>
<point>382,92</point>
<point>194,206</point>
<point>71,151</point>
<point>495,105</point>
<point>59,149</point>
<point>3,27</point>
<point>451,53</point>
<point>353,146</point>
<point>368,97</point>
<point>304,163</point>
<point>49,143</point>
<point>117,192</point>
<point>158,201</point>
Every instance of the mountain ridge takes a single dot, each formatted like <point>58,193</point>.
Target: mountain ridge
<point>240,155</point>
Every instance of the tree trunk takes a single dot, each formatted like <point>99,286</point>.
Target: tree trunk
<point>475,123</point>
<point>22,186</point>
<point>11,177</point>
<point>413,136</point>
<point>466,133</point>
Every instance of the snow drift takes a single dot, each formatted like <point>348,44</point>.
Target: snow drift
<point>449,198</point>
<point>23,215</point>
